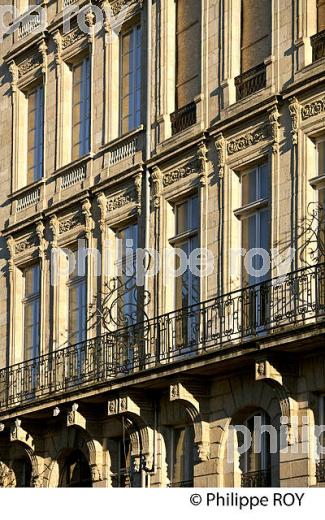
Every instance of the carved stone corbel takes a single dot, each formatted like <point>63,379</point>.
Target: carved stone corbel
<point>74,418</point>
<point>294,110</point>
<point>11,249</point>
<point>202,155</point>
<point>17,433</point>
<point>102,204</point>
<point>156,184</point>
<point>138,191</point>
<point>41,240</point>
<point>13,69</point>
<point>90,22</point>
<point>193,397</point>
<point>54,227</point>
<point>221,154</point>
<point>42,48</point>
<point>89,223</point>
<point>58,48</point>
<point>274,116</point>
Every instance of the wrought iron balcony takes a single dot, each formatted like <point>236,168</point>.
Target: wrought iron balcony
<point>256,312</point>
<point>256,479</point>
<point>250,81</point>
<point>320,471</point>
<point>183,118</point>
<point>318,45</point>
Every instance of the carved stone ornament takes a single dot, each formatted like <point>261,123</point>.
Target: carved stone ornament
<point>41,240</point>
<point>221,154</point>
<point>313,109</point>
<point>27,243</point>
<point>58,48</point>
<point>69,223</point>
<point>89,223</point>
<point>249,139</point>
<point>43,52</point>
<point>73,36</point>
<point>138,190</point>
<point>118,5</point>
<point>54,227</point>
<point>102,204</point>
<point>156,183</point>
<point>11,249</point>
<point>203,161</point>
<point>13,69</point>
<point>121,200</point>
<point>180,173</point>
<point>274,116</point>
<point>294,109</point>
<point>95,474</point>
<point>31,63</point>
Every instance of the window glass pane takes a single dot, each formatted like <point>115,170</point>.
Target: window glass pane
<point>263,181</point>
<point>130,79</point>
<point>81,109</point>
<point>182,218</point>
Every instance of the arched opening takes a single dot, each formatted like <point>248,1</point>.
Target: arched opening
<point>255,456</point>
<point>22,469</point>
<point>75,471</point>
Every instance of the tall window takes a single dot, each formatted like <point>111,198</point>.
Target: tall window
<point>321,198</point>
<point>123,477</point>
<point>256,33</point>
<point>188,51</point>
<point>255,221</point>
<point>181,460</point>
<point>31,309</point>
<point>187,239</point>
<point>255,461</point>
<point>81,109</point>
<point>77,304</point>
<point>35,134</point>
<point>187,283</point>
<point>320,15</point>
<point>131,79</point>
<point>127,243</point>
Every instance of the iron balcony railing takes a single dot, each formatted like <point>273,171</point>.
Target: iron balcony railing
<point>255,312</point>
<point>254,479</point>
<point>250,81</point>
<point>183,118</point>
<point>318,45</point>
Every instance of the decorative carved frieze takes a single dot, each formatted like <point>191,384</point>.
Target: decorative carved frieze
<point>27,243</point>
<point>118,5</point>
<point>73,36</point>
<point>123,199</point>
<point>69,223</point>
<point>28,65</point>
<point>249,139</point>
<point>180,173</point>
<point>294,109</point>
<point>313,109</point>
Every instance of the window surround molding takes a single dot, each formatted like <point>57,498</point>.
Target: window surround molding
<point>70,49</point>
<point>24,251</point>
<point>305,27</point>
<point>231,52</point>
<point>26,74</point>
<point>168,79</point>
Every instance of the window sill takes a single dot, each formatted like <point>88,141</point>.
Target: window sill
<point>251,208</point>
<point>318,182</point>
<point>26,189</point>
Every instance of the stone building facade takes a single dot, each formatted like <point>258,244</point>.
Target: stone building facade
<point>177,125</point>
